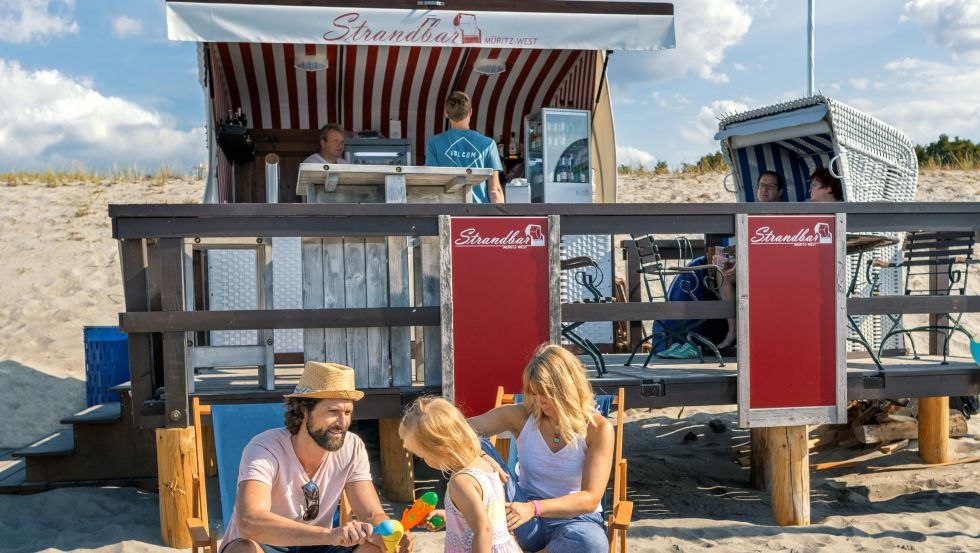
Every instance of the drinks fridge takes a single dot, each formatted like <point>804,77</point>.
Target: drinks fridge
<point>557,156</point>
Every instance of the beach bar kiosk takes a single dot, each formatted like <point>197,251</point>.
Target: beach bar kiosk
<point>275,72</point>
<point>387,68</point>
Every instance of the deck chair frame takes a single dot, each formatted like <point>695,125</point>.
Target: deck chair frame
<point>621,509</point>
<point>947,255</point>
<point>658,277</point>
<point>202,538</point>
<point>588,275</point>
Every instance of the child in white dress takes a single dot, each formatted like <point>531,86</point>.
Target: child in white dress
<point>438,433</point>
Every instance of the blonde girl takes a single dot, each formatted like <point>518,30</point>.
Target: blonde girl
<point>565,450</point>
<point>435,430</point>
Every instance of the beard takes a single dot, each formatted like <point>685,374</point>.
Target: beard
<point>324,438</point>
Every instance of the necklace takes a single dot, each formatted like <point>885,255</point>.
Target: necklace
<point>556,439</point>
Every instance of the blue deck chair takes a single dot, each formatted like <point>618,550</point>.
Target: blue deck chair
<point>234,426</point>
<point>621,510</point>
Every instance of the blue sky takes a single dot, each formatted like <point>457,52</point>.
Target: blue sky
<point>98,84</point>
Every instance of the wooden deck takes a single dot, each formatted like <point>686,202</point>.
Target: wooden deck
<point>662,384</point>
<point>671,384</point>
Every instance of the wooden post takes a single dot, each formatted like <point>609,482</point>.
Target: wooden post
<point>176,459</point>
<point>759,478</point>
<point>934,429</point>
<point>789,458</point>
<point>397,473</point>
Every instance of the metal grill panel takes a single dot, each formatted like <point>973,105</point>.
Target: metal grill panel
<point>287,282</point>
<point>596,246</point>
<point>231,286</point>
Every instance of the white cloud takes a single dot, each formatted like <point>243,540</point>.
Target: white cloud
<point>954,24</point>
<point>634,157</point>
<point>929,98</point>
<point>700,132</point>
<point>26,20</point>
<point>704,29</point>
<point>859,83</point>
<point>675,101</point>
<point>49,119</point>
<point>124,26</point>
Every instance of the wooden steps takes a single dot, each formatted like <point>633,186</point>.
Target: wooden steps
<point>102,413</point>
<point>101,447</point>
<point>12,470</point>
<point>59,443</point>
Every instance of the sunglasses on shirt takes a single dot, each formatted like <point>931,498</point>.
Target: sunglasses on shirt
<point>312,494</point>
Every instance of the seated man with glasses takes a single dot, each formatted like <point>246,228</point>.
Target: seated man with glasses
<point>291,479</point>
<point>769,189</point>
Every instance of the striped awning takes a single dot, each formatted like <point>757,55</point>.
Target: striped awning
<point>365,87</point>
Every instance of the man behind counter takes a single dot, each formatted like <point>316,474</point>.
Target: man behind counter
<point>461,147</point>
<point>331,145</point>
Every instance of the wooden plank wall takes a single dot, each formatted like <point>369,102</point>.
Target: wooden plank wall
<point>359,272</point>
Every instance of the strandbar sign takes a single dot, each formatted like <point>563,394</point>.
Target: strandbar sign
<point>792,326</point>
<point>219,22</point>
<point>498,309</point>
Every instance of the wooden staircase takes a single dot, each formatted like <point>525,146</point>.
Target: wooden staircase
<point>101,447</point>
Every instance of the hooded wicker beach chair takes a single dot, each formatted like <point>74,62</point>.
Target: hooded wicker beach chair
<point>874,161</point>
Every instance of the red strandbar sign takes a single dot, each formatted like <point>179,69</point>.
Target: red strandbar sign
<point>791,350</point>
<point>500,304</point>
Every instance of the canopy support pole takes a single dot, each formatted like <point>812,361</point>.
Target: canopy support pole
<point>602,80</point>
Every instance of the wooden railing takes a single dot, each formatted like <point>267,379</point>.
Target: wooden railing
<point>152,237</point>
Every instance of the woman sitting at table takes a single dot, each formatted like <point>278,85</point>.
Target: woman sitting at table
<point>825,187</point>
<point>565,447</point>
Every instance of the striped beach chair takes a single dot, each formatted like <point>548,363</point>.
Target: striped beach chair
<point>875,162</point>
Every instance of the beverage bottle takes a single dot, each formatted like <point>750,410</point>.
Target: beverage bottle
<point>512,146</point>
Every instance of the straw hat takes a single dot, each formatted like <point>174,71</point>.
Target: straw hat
<point>327,381</point>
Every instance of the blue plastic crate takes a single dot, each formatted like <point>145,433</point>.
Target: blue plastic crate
<point>106,362</point>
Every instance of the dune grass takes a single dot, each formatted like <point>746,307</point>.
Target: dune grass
<point>75,175</point>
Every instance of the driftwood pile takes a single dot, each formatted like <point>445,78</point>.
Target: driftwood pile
<point>887,424</point>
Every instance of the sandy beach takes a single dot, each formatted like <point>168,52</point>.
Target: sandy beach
<point>61,273</point>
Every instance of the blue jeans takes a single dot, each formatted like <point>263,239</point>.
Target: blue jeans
<point>583,533</point>
<point>299,548</point>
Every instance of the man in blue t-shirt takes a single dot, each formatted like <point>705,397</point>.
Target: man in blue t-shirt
<point>461,147</point>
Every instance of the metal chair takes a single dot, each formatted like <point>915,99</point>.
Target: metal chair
<point>589,276</point>
<point>686,280</point>
<point>927,255</point>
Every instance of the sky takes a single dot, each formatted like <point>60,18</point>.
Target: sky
<point>97,84</point>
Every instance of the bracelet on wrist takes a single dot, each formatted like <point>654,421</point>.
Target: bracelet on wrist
<point>537,507</point>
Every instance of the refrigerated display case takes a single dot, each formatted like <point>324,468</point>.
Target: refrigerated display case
<point>557,160</point>
<point>378,151</point>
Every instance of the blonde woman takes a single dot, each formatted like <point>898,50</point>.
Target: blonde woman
<point>435,430</point>
<point>565,449</point>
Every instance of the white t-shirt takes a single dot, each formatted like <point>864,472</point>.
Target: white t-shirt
<point>270,458</point>
<point>315,157</point>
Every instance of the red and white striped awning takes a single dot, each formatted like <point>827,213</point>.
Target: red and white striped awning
<point>364,87</point>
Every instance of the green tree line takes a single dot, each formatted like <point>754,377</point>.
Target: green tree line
<point>958,153</point>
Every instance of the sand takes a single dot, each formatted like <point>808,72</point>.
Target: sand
<point>60,272</point>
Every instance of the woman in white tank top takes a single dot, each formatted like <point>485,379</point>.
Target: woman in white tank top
<point>565,452</point>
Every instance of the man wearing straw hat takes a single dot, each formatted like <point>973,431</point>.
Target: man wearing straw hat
<point>291,479</point>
